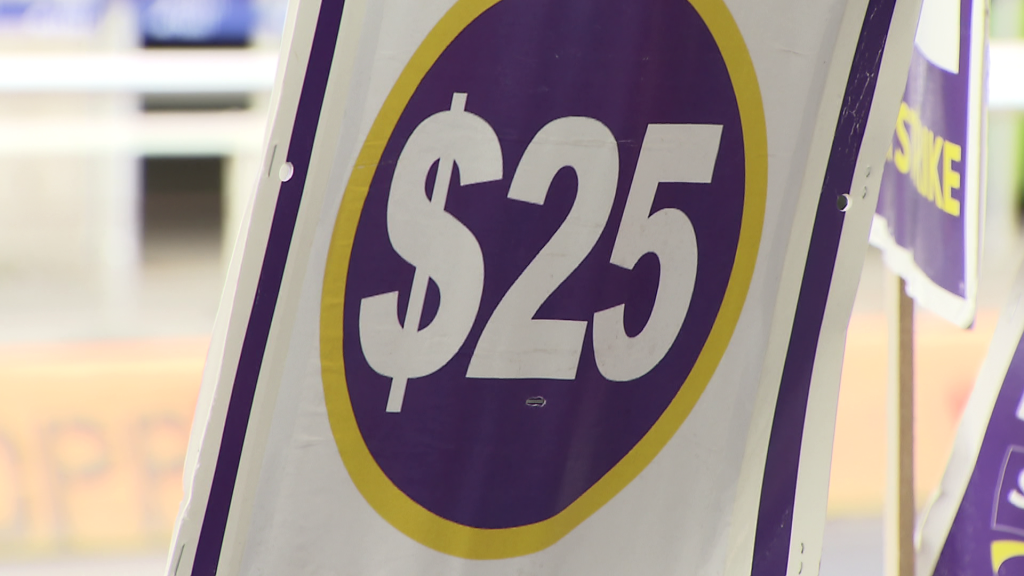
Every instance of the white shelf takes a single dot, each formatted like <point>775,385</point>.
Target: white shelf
<point>150,134</point>
<point>171,71</point>
<point>1006,75</point>
<point>167,71</point>
<point>177,71</point>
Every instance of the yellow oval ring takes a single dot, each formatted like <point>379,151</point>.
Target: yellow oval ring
<point>380,492</point>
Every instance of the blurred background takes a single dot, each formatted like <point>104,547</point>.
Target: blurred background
<point>130,136</point>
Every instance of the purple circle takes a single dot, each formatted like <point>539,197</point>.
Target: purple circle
<point>490,453</point>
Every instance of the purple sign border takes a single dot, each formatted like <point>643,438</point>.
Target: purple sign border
<point>778,488</point>
<point>236,423</point>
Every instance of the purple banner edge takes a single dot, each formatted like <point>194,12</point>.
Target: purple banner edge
<point>778,490</point>
<point>211,536</point>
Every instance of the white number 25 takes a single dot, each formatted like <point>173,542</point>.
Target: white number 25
<point>514,344</point>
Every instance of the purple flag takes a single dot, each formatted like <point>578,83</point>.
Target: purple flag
<point>926,223</point>
<point>975,525</point>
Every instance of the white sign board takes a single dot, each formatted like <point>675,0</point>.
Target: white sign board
<point>545,288</point>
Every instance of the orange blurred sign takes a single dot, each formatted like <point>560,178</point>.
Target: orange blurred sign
<point>93,435</point>
<point>946,363</point>
<point>92,440</point>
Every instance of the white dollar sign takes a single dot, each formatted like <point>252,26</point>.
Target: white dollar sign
<point>437,244</point>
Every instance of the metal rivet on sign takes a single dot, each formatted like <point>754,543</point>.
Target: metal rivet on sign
<point>843,202</point>
<point>286,172</point>
<point>536,401</point>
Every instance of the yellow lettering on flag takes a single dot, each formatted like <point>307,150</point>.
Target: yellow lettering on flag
<point>901,157</point>
<point>934,183</point>
<point>1003,550</point>
<point>927,159</point>
<point>950,178</point>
